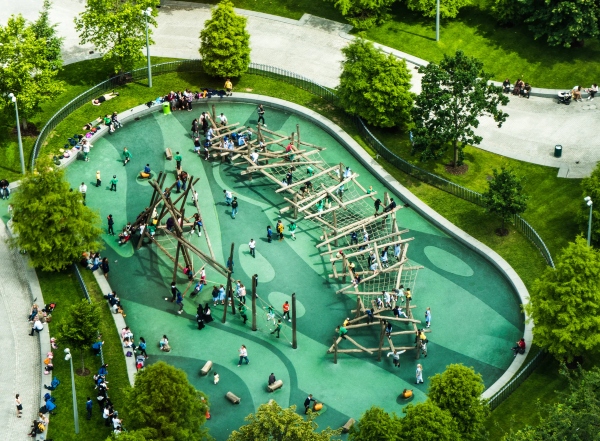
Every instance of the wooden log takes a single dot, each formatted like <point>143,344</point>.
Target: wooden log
<point>273,387</point>
<point>360,244</point>
<point>233,398</point>
<point>346,427</point>
<point>351,340</point>
<point>168,154</point>
<point>307,179</point>
<point>206,368</point>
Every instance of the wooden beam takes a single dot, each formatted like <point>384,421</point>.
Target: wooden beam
<point>307,179</point>
<point>360,244</point>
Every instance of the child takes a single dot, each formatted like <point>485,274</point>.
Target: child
<point>269,234</point>
<point>292,228</point>
<point>216,378</point>
<point>98,179</point>
<point>271,315</point>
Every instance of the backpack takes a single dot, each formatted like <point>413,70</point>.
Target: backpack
<point>55,382</point>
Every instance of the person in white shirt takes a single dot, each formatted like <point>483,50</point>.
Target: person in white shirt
<point>254,157</point>
<point>592,91</point>
<point>83,191</point>
<point>396,356</point>
<point>223,120</point>
<point>252,246</point>
<point>37,326</point>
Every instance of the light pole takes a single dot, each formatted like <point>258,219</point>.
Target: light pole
<point>147,12</point>
<point>13,98</point>
<point>590,204</point>
<point>437,20</point>
<point>75,415</point>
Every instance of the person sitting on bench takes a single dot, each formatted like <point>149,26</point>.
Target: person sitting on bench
<point>520,347</point>
<point>105,97</point>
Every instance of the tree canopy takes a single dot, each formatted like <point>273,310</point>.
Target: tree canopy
<point>375,86</point>
<point>376,425</point>
<point>427,422</point>
<point>117,29</point>
<point>504,196</point>
<point>50,221</point>
<point>364,14</point>
<point>80,328</point>
<point>164,406</point>
<point>272,422</point>
<point>458,391</point>
<point>28,65</point>
<point>455,93</point>
<point>591,188</point>
<point>565,303</point>
<point>225,43</point>
<point>448,8</point>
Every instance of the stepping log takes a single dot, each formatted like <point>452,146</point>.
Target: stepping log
<point>233,398</point>
<point>206,368</point>
<point>273,387</point>
<point>346,427</point>
<point>168,153</point>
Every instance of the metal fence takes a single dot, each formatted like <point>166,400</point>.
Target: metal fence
<point>517,380</point>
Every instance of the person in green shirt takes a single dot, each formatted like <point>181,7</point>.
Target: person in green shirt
<point>178,160</point>
<point>152,230</point>
<point>342,331</point>
<point>126,156</point>
<point>277,328</point>
<point>292,228</point>
<point>310,171</point>
<point>113,183</point>
<point>243,310</point>
<point>108,123</point>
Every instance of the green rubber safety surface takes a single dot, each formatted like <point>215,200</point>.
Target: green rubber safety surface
<point>475,313</point>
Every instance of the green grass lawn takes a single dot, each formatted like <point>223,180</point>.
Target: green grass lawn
<point>63,289</point>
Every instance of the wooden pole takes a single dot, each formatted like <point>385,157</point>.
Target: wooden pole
<point>294,339</point>
<point>335,229</point>
<point>358,307</point>
<point>381,335</point>
<point>176,262</point>
<point>334,350</point>
<point>214,114</point>
<point>298,136</point>
<point>228,289</point>
<point>296,206</point>
<point>254,299</point>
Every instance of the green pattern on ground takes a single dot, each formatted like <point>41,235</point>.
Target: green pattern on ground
<point>475,321</point>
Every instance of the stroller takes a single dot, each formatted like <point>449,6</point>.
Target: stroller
<point>564,98</point>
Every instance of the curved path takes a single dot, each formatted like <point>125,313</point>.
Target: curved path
<point>312,47</point>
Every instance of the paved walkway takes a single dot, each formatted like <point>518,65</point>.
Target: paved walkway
<point>20,361</point>
<point>312,47</point>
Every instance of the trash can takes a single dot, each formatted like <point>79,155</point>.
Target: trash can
<point>166,108</point>
<point>557,151</point>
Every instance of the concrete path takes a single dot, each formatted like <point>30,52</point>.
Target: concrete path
<point>20,362</point>
<point>312,47</point>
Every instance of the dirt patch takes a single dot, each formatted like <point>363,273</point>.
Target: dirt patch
<point>457,171</point>
<point>82,372</point>
<point>502,232</point>
<point>30,131</point>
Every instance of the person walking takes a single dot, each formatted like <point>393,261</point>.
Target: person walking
<point>242,293</point>
<point>179,302</point>
<point>86,151</point>
<point>234,207</point>
<point>113,183</point>
<point>88,406</point>
<point>243,355</point>
<point>195,128</point>
<point>269,234</point>
<point>242,308</point>
<point>178,160</point>
<point>280,229</point>
<point>286,311</point>
<point>261,115</point>
<point>142,347</point>
<point>126,156</point>
<point>428,317</point>
<point>19,406</point>
<point>174,292</point>
<point>228,88</point>
<point>419,374</point>
<point>228,197</point>
<point>292,228</point>
<point>277,328</point>
<point>111,223</point>
<point>396,356</point>
<point>252,246</point>
<point>105,267</point>
<point>83,191</point>
<point>98,179</point>
<point>307,403</point>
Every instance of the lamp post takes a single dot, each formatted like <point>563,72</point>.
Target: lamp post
<point>590,204</point>
<point>68,357</point>
<point>13,98</point>
<point>147,12</point>
<point>437,20</point>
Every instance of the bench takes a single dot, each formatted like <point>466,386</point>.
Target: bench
<point>346,427</point>
<point>273,387</point>
<point>206,368</point>
<point>168,154</point>
<point>233,398</point>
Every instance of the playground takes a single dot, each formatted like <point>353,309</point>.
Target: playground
<point>475,313</point>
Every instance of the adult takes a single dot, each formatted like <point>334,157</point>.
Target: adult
<point>272,378</point>
<point>576,92</point>
<point>252,247</point>
<point>37,326</point>
<point>228,88</point>
<point>105,97</point>
<point>228,197</point>
<point>115,121</point>
<point>520,347</point>
<point>111,223</point>
<point>19,406</point>
<point>243,352</point>
<point>105,267</point>
<point>234,207</point>
<point>222,120</point>
<point>261,114</point>
<point>396,356</point>
<point>286,311</point>
<point>506,85</point>
<point>98,179</point>
<point>419,374</point>
<point>592,91</point>
<point>83,191</point>
<point>307,403</point>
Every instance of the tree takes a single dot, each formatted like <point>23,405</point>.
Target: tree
<point>272,422</point>
<point>80,329</point>
<point>565,303</point>
<point>375,86</point>
<point>564,22</point>
<point>591,188</point>
<point>427,422</point>
<point>26,68</point>
<point>576,417</point>
<point>163,405</point>
<point>376,425</point>
<point>46,32</point>
<point>505,196</point>
<point>458,390</point>
<point>364,14</point>
<point>224,43</point>
<point>448,8</point>
<point>118,29</point>
<point>128,436</point>
<point>455,93</point>
<point>50,221</point>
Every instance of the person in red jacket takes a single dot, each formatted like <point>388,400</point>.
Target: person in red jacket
<point>286,311</point>
<point>520,348</point>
